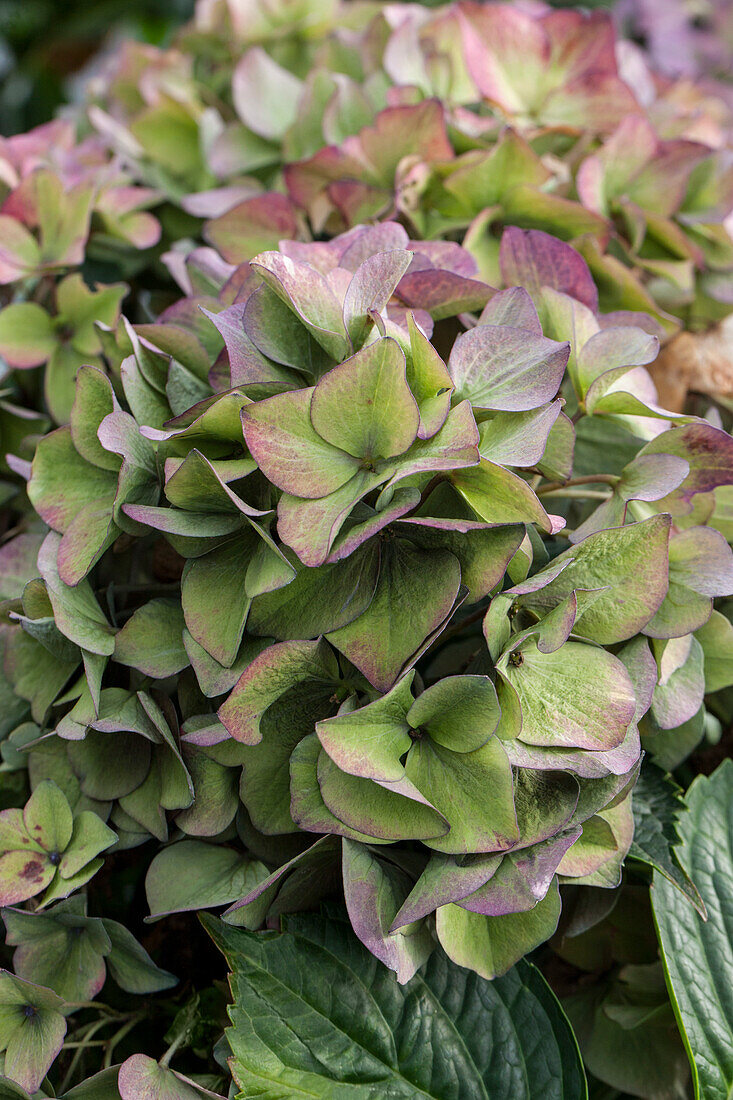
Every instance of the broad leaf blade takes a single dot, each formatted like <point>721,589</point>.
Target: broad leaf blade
<point>698,955</point>
<point>657,805</point>
<point>314,1014</point>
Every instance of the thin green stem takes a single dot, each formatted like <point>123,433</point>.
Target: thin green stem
<point>82,1044</point>
<point>69,1075</point>
<point>90,1028</point>
<point>586,479</point>
<point>177,1042</point>
<point>77,1005</point>
<point>85,1042</point>
<point>579,494</point>
<point>119,1036</point>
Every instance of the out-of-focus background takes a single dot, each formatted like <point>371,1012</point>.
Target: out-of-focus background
<point>45,44</point>
<point>48,47</point>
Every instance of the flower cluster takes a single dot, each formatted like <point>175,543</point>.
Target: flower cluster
<point>379,655</point>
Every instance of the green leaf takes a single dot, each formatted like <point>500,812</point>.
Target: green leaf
<point>529,206</point>
<point>716,639</point>
<point>110,765</point>
<point>679,692</point>
<point>364,405</point>
<point>58,380</point>
<point>314,1014</point>
<point>484,178</point>
<point>459,712</point>
<point>288,449</point>
<point>578,696</point>
<point>453,446</point>
<point>265,95</point>
<point>90,837</point>
<point>256,223</point>
<point>310,527</point>
<point>429,380</point>
<point>278,334</point>
<point>482,550</point>
<point>75,498</point>
<point>271,674</point>
<point>403,612</point>
<point>195,875</point>
<point>21,253</point>
<point>372,740</point>
<point>698,955</point>
<point>630,562</point>
<point>152,639</point>
<point>214,678</point>
<point>709,452</point>
<point>628,1036</point>
<point>500,496</point>
<point>47,817</point>
<point>130,965</point>
<point>307,292</point>
<point>492,945</point>
<point>142,1078</point>
<point>27,337</point>
<point>83,308</point>
<point>597,856</point>
<point>390,811</point>
<point>32,1029</point>
<point>76,611</point>
<point>62,948</point>
<point>265,783</point>
<point>657,807</point>
<point>94,399</point>
<point>195,486</point>
<point>185,525</point>
<point>455,783</point>
<point>215,601</point>
<point>668,748</point>
<point>22,875</point>
<point>370,289</point>
<point>374,891</point>
<point>101,1086</point>
<point>18,564</point>
<point>502,368</point>
<point>36,674</point>
<point>621,347</point>
<point>169,135</point>
<point>216,801</point>
<point>518,438</point>
<point>320,599</point>
<point>10,1091</point>
<point>700,567</point>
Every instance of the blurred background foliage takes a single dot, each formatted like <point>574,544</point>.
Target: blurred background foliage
<point>46,44</point>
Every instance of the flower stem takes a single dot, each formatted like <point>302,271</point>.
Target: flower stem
<point>587,479</point>
<point>579,494</point>
<point>177,1042</point>
<point>119,1036</point>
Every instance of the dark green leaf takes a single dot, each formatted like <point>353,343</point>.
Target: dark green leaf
<point>657,804</point>
<point>698,955</point>
<point>315,1015</point>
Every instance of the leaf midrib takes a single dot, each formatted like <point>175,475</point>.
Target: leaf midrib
<point>398,1075</point>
